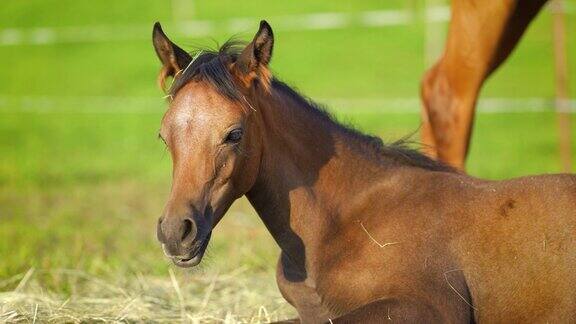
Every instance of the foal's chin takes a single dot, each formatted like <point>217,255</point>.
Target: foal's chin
<point>194,256</point>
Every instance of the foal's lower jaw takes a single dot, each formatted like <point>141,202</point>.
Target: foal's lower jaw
<point>192,258</point>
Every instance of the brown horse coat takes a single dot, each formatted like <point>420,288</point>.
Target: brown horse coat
<point>369,232</point>
<point>482,34</point>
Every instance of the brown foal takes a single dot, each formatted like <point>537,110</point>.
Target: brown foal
<point>369,232</point>
<point>481,36</point>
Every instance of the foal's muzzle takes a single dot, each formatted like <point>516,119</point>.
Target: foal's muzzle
<point>184,238</point>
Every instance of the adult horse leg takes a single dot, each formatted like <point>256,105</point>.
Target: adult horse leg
<point>480,38</point>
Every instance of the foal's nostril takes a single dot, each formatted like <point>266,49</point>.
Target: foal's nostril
<point>187,229</point>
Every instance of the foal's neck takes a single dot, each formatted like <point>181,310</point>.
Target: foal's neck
<point>309,171</point>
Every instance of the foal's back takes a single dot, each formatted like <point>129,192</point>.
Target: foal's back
<point>517,248</point>
<point>500,251</point>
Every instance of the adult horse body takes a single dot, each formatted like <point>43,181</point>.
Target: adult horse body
<point>368,232</point>
<point>482,34</point>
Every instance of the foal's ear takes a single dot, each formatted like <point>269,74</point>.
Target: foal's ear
<point>253,61</point>
<point>173,58</point>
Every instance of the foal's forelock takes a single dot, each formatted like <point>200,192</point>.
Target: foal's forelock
<point>210,65</point>
<point>214,67</point>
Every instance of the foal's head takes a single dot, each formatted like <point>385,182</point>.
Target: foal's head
<point>212,134</point>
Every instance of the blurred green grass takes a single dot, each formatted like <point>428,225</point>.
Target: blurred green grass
<point>84,190</point>
<point>81,188</point>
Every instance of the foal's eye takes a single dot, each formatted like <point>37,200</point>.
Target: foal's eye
<point>234,136</point>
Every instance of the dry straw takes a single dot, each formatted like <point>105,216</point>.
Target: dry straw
<point>235,297</point>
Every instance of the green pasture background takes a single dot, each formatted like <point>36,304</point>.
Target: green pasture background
<point>83,179</point>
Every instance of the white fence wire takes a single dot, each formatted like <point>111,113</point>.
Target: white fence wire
<point>151,105</point>
<point>199,28</point>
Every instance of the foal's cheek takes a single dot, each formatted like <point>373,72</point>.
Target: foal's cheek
<point>222,198</point>
<point>226,166</point>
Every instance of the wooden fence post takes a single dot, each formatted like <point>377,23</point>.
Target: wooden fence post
<point>562,102</point>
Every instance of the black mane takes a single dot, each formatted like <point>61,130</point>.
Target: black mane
<point>212,66</point>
